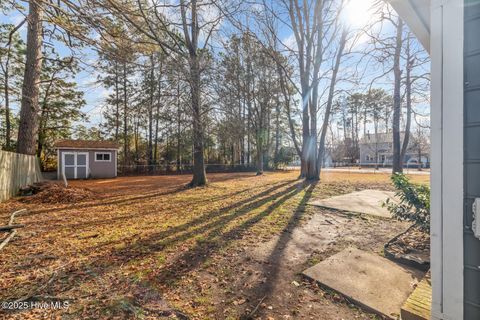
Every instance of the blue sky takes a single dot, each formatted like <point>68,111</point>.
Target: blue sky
<point>356,15</point>
<point>86,79</point>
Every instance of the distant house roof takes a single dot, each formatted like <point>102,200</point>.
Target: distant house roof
<point>86,144</point>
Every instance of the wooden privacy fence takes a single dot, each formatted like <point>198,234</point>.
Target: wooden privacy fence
<point>17,170</point>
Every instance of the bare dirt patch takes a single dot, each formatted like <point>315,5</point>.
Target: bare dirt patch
<point>147,247</point>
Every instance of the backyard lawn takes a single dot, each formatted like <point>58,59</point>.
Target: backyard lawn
<point>147,247</point>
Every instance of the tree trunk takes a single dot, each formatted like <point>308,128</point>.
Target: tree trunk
<point>6,90</point>
<point>155,144</point>
<point>386,118</point>
<point>397,161</point>
<point>277,131</point>
<point>249,143</point>
<point>179,115</point>
<point>150,115</point>
<point>28,129</point>
<point>241,118</point>
<point>7,112</point>
<point>357,147</point>
<point>419,158</point>
<point>242,140</point>
<point>306,144</point>
<point>259,157</point>
<point>191,32</point>
<point>125,116</point>
<point>365,121</point>
<point>376,141</point>
<point>117,103</point>
<point>248,84</point>
<point>41,133</point>
<point>157,114</point>
<point>43,120</point>
<point>259,135</point>
<point>199,174</point>
<point>136,137</point>
<point>312,172</point>
<point>326,120</point>
<point>268,139</point>
<point>286,96</point>
<point>408,84</point>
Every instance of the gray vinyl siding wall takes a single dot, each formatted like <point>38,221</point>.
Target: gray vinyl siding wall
<point>471,157</point>
<point>96,169</point>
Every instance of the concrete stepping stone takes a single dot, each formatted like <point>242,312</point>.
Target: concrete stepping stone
<point>368,280</point>
<point>365,201</point>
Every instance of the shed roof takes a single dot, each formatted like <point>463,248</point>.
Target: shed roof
<point>86,144</point>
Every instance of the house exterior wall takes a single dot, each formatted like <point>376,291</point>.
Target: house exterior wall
<point>96,169</point>
<point>368,152</point>
<point>472,157</point>
<point>385,155</point>
<point>453,175</point>
<point>447,176</point>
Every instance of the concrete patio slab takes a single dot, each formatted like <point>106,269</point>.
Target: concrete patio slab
<point>369,280</point>
<point>365,201</point>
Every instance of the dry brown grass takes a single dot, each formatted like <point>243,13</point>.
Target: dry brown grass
<point>126,253</point>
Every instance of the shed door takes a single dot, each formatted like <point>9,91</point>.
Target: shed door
<point>69,165</point>
<point>75,165</point>
<point>82,163</point>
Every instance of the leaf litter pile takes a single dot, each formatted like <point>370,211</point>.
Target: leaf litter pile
<point>414,240</point>
<point>54,193</point>
<point>413,245</point>
<point>149,248</point>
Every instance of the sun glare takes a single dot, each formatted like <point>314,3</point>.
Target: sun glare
<point>358,13</point>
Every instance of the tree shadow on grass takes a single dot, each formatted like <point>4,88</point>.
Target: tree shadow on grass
<point>199,222</point>
<point>125,201</point>
<point>99,202</point>
<point>214,226</point>
<point>211,224</point>
<point>216,239</point>
<point>273,264</point>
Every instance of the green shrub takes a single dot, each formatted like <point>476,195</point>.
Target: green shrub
<point>414,202</point>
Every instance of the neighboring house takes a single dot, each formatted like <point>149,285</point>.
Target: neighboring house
<point>378,149</point>
<point>82,159</point>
